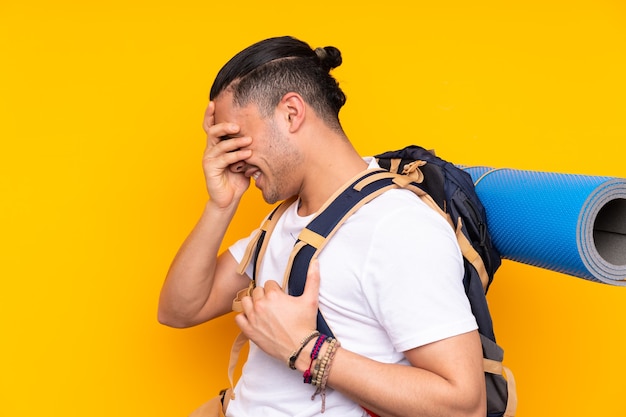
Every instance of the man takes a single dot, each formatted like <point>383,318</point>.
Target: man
<point>389,282</point>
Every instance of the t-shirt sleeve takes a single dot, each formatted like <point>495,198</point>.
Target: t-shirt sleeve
<point>413,278</point>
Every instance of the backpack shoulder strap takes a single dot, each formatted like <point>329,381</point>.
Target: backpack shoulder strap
<point>256,249</point>
<point>357,192</point>
<point>257,245</point>
<point>335,212</point>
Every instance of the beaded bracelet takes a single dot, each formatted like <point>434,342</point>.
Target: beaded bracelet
<point>322,370</point>
<point>322,364</point>
<point>331,356</point>
<point>296,353</point>
<point>314,353</point>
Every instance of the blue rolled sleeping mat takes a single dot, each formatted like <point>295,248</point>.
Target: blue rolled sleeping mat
<point>572,224</point>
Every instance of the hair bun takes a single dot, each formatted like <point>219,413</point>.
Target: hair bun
<point>329,56</point>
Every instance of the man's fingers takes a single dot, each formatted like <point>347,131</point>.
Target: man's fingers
<point>258,292</point>
<point>272,285</point>
<point>209,117</point>
<point>312,286</point>
<point>226,153</point>
<point>216,133</point>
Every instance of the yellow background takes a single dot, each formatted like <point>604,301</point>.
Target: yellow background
<point>100,180</point>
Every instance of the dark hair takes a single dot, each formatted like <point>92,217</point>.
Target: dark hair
<point>267,70</point>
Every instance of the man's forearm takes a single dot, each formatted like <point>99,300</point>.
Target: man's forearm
<point>191,275</point>
<point>448,389</point>
<point>399,390</point>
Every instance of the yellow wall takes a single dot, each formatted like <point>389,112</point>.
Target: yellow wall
<point>100,180</point>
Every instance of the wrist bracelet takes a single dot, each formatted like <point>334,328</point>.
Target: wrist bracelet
<point>314,353</point>
<point>323,363</point>
<point>322,370</point>
<point>296,353</point>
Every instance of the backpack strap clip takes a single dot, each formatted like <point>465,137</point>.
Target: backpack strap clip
<point>413,171</point>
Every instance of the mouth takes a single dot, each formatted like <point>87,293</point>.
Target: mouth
<point>253,173</point>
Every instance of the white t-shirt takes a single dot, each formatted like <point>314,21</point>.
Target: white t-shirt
<point>391,280</point>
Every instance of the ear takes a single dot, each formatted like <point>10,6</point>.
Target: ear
<point>293,108</point>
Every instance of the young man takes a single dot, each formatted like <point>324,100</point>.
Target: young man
<point>388,283</point>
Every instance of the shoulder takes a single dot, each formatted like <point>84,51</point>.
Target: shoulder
<point>404,210</point>
<point>399,228</point>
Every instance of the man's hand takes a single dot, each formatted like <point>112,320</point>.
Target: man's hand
<point>225,186</point>
<point>277,322</point>
<point>200,286</point>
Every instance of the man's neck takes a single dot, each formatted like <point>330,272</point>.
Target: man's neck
<point>327,173</point>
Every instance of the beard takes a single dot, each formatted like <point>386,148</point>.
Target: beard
<point>284,159</point>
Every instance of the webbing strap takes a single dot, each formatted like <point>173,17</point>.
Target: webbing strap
<point>496,367</point>
<point>319,242</point>
<point>266,229</point>
<point>256,246</point>
<point>352,182</point>
<point>311,238</point>
<point>240,340</point>
<point>296,250</point>
<point>403,181</point>
<point>472,255</point>
<point>394,164</point>
<point>327,222</point>
<point>237,308</point>
<point>492,367</point>
<point>490,171</point>
<point>247,255</point>
<point>368,180</point>
<point>511,403</point>
<point>467,249</point>
<point>270,228</point>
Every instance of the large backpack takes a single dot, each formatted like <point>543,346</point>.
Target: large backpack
<point>447,189</point>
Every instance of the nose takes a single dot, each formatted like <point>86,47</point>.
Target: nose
<point>237,167</point>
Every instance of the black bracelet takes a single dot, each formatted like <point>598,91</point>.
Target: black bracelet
<point>296,353</point>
